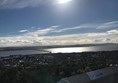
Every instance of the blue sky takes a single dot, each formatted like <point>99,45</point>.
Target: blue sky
<point>38,22</point>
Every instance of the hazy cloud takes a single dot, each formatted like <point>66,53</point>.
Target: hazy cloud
<point>54,29</point>
<point>11,4</point>
<point>85,38</point>
<point>38,36</point>
<point>58,29</point>
<point>77,27</point>
<point>113,31</point>
<point>40,32</point>
<point>108,25</point>
<point>23,31</point>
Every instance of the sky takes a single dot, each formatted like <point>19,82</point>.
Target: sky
<point>58,22</point>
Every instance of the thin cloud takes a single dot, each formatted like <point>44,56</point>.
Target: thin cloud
<point>108,25</point>
<point>77,27</point>
<point>23,31</point>
<point>41,32</point>
<point>56,29</point>
<point>18,4</point>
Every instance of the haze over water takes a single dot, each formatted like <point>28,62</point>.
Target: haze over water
<point>61,50</point>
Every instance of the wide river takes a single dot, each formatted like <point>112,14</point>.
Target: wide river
<point>61,50</point>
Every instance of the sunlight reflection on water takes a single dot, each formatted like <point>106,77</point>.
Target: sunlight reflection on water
<point>68,50</point>
<point>82,49</point>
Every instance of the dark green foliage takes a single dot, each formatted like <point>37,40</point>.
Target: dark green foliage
<point>60,67</point>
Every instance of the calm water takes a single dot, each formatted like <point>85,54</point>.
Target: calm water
<point>61,50</point>
<point>19,52</point>
<point>83,49</point>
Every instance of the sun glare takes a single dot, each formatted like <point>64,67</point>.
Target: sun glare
<point>63,1</point>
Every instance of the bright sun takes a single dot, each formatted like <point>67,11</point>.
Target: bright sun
<point>63,1</point>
